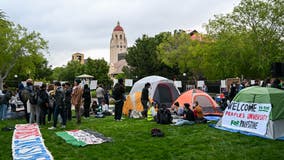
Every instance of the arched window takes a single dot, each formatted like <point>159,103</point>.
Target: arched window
<point>120,36</point>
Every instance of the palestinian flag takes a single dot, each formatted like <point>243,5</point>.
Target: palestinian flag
<point>83,137</point>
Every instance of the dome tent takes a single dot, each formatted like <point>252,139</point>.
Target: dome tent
<point>257,111</point>
<point>209,106</point>
<point>162,91</point>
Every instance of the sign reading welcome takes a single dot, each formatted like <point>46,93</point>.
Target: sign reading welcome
<point>250,117</point>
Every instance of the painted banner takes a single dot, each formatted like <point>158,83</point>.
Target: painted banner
<point>28,143</point>
<point>82,137</point>
<point>250,117</point>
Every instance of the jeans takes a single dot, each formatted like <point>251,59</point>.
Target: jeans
<point>3,111</point>
<point>62,112</point>
<point>34,112</point>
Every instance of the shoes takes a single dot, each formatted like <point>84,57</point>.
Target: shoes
<point>52,128</point>
<point>63,126</point>
<point>118,120</point>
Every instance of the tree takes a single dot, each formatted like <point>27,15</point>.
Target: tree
<point>143,58</point>
<point>16,43</point>
<point>259,27</point>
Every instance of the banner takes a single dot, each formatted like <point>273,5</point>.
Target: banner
<point>250,117</point>
<point>27,143</point>
<point>200,84</point>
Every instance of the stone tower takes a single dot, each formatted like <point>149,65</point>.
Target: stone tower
<point>118,44</point>
<point>118,50</point>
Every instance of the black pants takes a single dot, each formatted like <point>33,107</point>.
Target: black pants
<point>87,109</point>
<point>145,107</point>
<point>27,115</point>
<point>118,109</point>
<point>68,111</point>
<point>42,115</point>
<point>50,112</point>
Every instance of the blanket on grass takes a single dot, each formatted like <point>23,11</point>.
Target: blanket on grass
<point>83,137</point>
<point>27,143</point>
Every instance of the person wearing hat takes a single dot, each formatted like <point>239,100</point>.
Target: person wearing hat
<point>76,99</point>
<point>118,91</point>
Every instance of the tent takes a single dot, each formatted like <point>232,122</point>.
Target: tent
<point>162,91</point>
<point>209,106</point>
<point>256,110</point>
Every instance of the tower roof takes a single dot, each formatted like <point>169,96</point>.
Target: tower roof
<point>118,27</point>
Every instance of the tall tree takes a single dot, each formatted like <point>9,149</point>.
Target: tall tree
<point>143,58</point>
<point>15,43</point>
<point>259,26</point>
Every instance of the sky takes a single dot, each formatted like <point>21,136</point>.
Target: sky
<point>86,26</point>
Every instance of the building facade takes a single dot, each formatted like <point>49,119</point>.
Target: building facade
<point>78,57</point>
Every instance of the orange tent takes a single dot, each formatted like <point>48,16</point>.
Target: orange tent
<point>209,106</point>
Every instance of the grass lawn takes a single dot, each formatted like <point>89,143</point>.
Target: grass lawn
<point>132,140</point>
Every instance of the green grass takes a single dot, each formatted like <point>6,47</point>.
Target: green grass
<point>132,140</point>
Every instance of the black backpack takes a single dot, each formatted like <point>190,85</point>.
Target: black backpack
<point>164,116</point>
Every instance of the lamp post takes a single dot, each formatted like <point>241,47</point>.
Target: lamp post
<point>16,79</point>
<point>184,81</point>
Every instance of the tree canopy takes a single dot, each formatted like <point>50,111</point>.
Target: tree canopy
<point>18,47</point>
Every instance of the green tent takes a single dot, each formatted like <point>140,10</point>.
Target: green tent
<point>264,95</point>
<point>245,113</point>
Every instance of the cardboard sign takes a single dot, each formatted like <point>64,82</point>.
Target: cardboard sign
<point>93,84</point>
<point>177,84</point>
<point>250,117</point>
<point>129,82</point>
<point>200,84</point>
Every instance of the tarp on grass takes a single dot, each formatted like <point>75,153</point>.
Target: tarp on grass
<point>27,143</point>
<point>83,137</point>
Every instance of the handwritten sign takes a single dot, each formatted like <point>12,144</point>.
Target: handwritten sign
<point>177,84</point>
<point>129,82</point>
<point>250,117</point>
<point>93,84</point>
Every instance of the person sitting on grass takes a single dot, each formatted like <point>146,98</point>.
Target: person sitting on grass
<point>188,116</point>
<point>198,113</point>
<point>152,112</point>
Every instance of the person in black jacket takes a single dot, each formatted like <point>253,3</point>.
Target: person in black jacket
<point>87,100</point>
<point>145,98</point>
<point>118,91</point>
<point>43,101</point>
<point>59,106</point>
<point>67,100</point>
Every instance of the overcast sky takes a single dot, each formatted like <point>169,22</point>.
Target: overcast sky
<point>86,25</point>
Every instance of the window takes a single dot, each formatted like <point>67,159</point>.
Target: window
<point>116,36</point>
<point>120,36</point>
<point>117,46</point>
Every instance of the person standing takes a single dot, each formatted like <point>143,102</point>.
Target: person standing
<point>87,100</point>
<point>43,101</point>
<point>6,96</point>
<point>76,99</point>
<point>68,92</point>
<point>145,98</point>
<point>118,95</point>
<point>100,93</point>
<point>34,108</point>
<point>59,107</point>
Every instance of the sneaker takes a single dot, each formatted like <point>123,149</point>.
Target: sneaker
<point>52,128</point>
<point>63,126</point>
